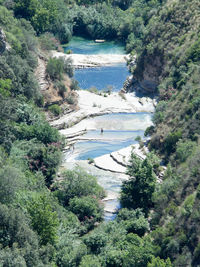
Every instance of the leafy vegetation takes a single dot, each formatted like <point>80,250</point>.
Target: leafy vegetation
<point>51,220</point>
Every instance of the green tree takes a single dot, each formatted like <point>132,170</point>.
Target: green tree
<point>157,262</point>
<point>5,86</point>
<point>55,68</point>
<point>86,208</point>
<point>134,221</point>
<point>77,183</point>
<point>43,219</point>
<point>10,183</point>
<point>26,8</point>
<point>138,190</point>
<point>90,261</point>
<point>19,244</point>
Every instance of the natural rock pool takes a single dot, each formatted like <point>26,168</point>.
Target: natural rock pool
<point>79,45</point>
<point>119,130</point>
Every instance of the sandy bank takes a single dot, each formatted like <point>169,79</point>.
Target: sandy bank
<point>91,61</point>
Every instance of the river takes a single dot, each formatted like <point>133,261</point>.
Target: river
<point>119,129</point>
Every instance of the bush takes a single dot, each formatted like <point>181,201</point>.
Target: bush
<point>184,149</point>
<point>157,262</point>
<point>171,140</point>
<point>70,100</point>
<point>15,233</point>
<point>43,219</point>
<point>61,89</point>
<point>10,183</point>
<point>55,68</point>
<point>55,109</point>
<point>133,221</point>
<point>63,32</point>
<point>41,130</point>
<point>90,261</point>
<point>67,65</point>
<point>37,157</point>
<point>77,183</point>
<point>48,42</point>
<point>87,209</point>
<point>95,241</point>
<point>74,85</point>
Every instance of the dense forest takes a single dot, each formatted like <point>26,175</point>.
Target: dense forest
<point>48,219</point>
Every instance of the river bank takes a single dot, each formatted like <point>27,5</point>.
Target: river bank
<point>91,105</point>
<point>75,125</point>
<point>92,61</point>
<point>108,140</point>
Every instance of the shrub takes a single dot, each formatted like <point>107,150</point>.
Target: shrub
<point>74,85</point>
<point>68,67</point>
<point>90,261</point>
<point>16,233</point>
<point>171,140</point>
<point>157,262</point>
<point>133,221</point>
<point>48,42</point>
<point>43,219</point>
<point>149,131</point>
<point>86,208</point>
<point>41,130</point>
<point>55,109</point>
<point>184,149</point>
<point>63,32</point>
<point>70,100</point>
<point>77,183</point>
<point>95,241</point>
<point>55,68</point>
<point>10,183</point>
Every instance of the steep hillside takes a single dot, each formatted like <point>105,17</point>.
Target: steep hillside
<point>58,222</point>
<point>169,65</point>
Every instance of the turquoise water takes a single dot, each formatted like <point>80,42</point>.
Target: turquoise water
<point>119,130</point>
<point>93,149</point>
<point>80,45</point>
<point>102,77</point>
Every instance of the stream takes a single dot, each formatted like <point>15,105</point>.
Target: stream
<point>119,129</point>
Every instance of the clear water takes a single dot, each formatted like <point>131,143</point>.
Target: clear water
<point>93,149</point>
<point>80,45</point>
<point>102,77</point>
<point>119,130</point>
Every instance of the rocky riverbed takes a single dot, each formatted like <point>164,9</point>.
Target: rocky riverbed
<point>90,61</point>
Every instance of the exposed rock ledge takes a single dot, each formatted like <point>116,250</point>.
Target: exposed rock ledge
<point>91,105</point>
<point>118,161</point>
<point>91,61</point>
